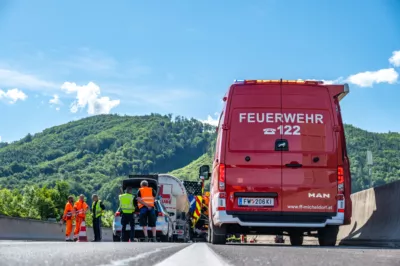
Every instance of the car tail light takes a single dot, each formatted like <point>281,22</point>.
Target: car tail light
<point>221,201</point>
<point>340,196</point>
<point>117,214</point>
<point>340,200</point>
<point>221,177</point>
<point>340,179</point>
<point>161,214</point>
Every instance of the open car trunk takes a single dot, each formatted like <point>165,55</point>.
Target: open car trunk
<point>134,182</point>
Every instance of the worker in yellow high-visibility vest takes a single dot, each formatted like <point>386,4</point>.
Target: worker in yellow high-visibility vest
<point>97,210</point>
<point>127,204</point>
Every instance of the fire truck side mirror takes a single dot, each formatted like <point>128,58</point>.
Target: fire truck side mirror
<point>204,172</point>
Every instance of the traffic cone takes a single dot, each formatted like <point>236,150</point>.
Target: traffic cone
<point>82,233</point>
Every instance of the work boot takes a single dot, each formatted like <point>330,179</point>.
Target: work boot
<point>154,239</point>
<point>146,239</point>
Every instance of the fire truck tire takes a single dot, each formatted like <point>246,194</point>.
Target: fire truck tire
<point>328,236</point>
<point>296,239</point>
<point>217,236</point>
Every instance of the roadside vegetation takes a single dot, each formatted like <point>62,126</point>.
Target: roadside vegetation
<point>42,203</point>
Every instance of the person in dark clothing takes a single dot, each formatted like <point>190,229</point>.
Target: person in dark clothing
<point>97,209</point>
<point>127,203</point>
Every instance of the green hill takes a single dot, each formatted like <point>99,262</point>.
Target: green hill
<point>385,148</point>
<point>191,171</point>
<point>93,154</point>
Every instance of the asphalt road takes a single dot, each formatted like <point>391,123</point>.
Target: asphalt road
<point>166,254</point>
<point>306,255</point>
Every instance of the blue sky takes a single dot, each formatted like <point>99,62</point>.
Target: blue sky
<point>137,57</point>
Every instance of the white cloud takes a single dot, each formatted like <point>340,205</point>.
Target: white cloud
<point>335,81</point>
<point>369,78</point>
<point>212,121</point>
<point>329,82</point>
<point>12,78</point>
<point>13,95</point>
<point>0,138</point>
<point>55,100</point>
<point>395,59</point>
<point>88,95</point>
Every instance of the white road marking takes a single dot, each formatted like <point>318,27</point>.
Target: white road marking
<point>138,257</point>
<point>198,254</point>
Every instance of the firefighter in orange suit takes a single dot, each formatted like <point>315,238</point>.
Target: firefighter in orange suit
<point>68,217</point>
<point>80,209</point>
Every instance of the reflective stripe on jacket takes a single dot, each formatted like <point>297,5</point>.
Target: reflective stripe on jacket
<point>99,210</point>
<point>126,203</point>
<point>68,211</point>
<point>81,208</point>
<point>146,193</point>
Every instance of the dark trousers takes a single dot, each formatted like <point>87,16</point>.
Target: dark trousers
<point>127,219</point>
<point>97,228</point>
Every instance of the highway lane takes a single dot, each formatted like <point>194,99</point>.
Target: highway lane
<point>245,254</point>
<point>174,254</point>
<point>107,253</point>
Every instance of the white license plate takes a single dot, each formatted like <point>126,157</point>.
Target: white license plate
<point>256,201</point>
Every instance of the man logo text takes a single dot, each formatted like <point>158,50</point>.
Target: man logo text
<point>319,195</point>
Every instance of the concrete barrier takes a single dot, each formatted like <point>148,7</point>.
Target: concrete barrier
<point>375,219</point>
<point>26,229</point>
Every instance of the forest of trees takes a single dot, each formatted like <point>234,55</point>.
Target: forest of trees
<point>42,203</point>
<point>92,155</point>
<point>95,153</point>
